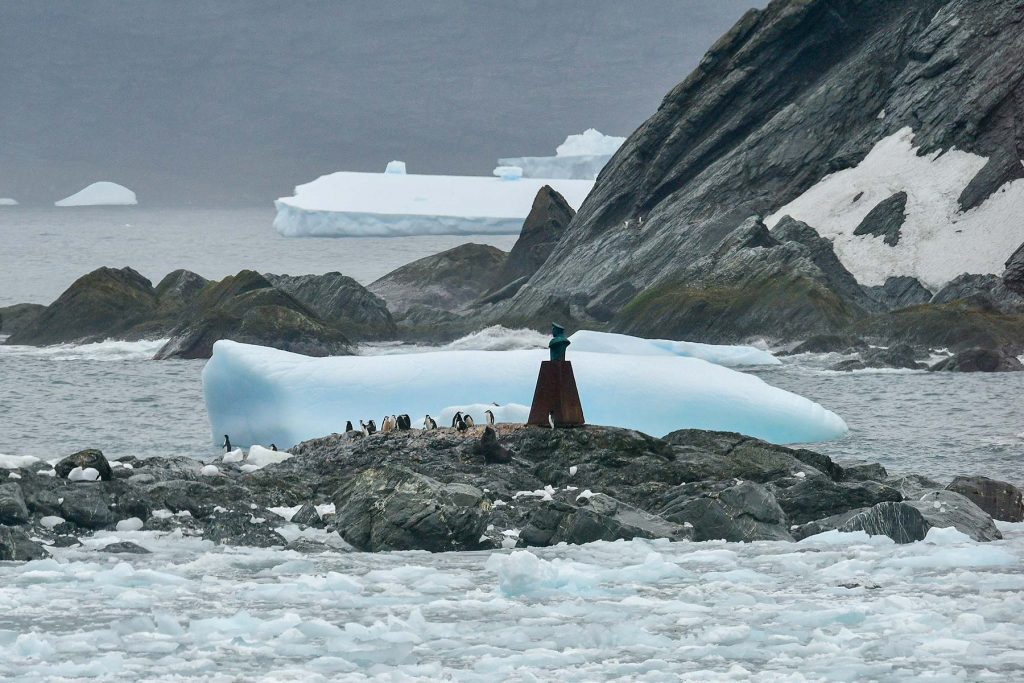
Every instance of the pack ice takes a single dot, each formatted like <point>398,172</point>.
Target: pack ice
<point>102,193</point>
<point>394,203</point>
<point>259,395</point>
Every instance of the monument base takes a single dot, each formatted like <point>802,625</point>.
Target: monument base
<point>556,396</point>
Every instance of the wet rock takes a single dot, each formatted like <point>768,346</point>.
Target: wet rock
<point>808,499</point>
<point>13,318</point>
<point>899,521</point>
<point>90,457</point>
<point>341,301</point>
<point>899,356</point>
<point>602,518</point>
<point>16,546</point>
<point>490,449</point>
<point>13,509</point>
<point>829,343</point>
<point>980,360</point>
<point>864,471</point>
<point>912,485</point>
<point>89,506</point>
<point>999,499</point>
<point>818,526</point>
<point>949,509</point>
<point>124,547</point>
<point>730,510</point>
<point>394,508</point>
<point>241,527</point>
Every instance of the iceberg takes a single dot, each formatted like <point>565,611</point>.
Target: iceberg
<point>580,156</point>
<point>259,395</point>
<point>100,194</point>
<point>7,201</point>
<point>729,356</point>
<point>396,204</point>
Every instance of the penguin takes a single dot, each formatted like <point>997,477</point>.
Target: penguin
<point>348,425</point>
<point>468,419</point>
<point>371,426</point>
<point>551,420</point>
<point>460,423</point>
<point>227,444</point>
<point>490,417</point>
<point>429,423</point>
<point>404,422</point>
<point>386,425</point>
<point>365,429</point>
<point>273,447</point>
<point>457,419</point>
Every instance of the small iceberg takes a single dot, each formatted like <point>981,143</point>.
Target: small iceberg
<point>102,193</point>
<point>7,201</point>
<point>580,156</point>
<point>261,395</point>
<point>729,356</point>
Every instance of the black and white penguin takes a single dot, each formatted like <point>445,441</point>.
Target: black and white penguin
<point>459,423</point>
<point>429,422</point>
<point>468,419</point>
<point>348,425</point>
<point>457,419</point>
<point>227,444</point>
<point>273,446</point>
<point>490,417</point>
<point>404,422</point>
<point>371,427</point>
<point>364,428</point>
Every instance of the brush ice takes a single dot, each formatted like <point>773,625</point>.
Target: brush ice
<point>100,194</point>
<point>729,356</point>
<point>392,204</point>
<point>262,395</point>
<point>580,156</point>
<point>938,241</point>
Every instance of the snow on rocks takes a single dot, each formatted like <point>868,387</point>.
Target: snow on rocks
<point>394,203</point>
<point>938,241</point>
<point>262,395</point>
<point>102,193</point>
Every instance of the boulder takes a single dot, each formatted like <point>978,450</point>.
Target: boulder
<point>242,527</point>
<point>177,292</point>
<point>726,510</point>
<point>90,457</point>
<point>14,318</point>
<point>911,485</point>
<point>602,518</point>
<point>13,509</point>
<point>810,498</point>
<point>818,526</point>
<point>901,522</point>
<point>999,499</point>
<point>949,509</point>
<point>395,508</point>
<point>979,360</point>
<point>105,303</point>
<point>864,471</point>
<point>342,302</point>
<point>90,507</point>
<point>307,516</point>
<point>124,547</point>
<point>16,546</point>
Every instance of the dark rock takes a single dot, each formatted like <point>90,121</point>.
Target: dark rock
<point>341,301</point>
<point>104,303</point>
<point>126,547</point>
<point>16,546</point>
<point>490,449</point>
<point>812,498</point>
<point>828,343</point>
<point>14,318</point>
<point>88,505</point>
<point>542,229</point>
<point>727,510</point>
<point>899,521</point>
<point>820,462</point>
<point>1013,276</point>
<point>450,281</point>
<point>885,220</point>
<point>949,509</point>
<point>602,518</point>
<point>394,508</point>
<point>899,292</point>
<point>999,499</point>
<point>912,485</point>
<point>719,456</point>
<point>985,292</point>
<point>979,360</point>
<point>864,471</point>
<point>1001,168</point>
<point>12,504</point>
<point>90,457</point>
<point>307,516</point>
<point>240,527</point>
<point>956,326</point>
<point>901,356</point>
<point>176,293</point>
<point>198,498</point>
<point>818,526</point>
<point>65,541</point>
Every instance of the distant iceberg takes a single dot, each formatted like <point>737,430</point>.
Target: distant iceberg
<point>729,356</point>
<point>260,395</point>
<point>580,156</point>
<point>7,201</point>
<point>101,194</point>
<point>396,203</point>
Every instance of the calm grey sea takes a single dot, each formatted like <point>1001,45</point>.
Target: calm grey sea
<point>57,400</point>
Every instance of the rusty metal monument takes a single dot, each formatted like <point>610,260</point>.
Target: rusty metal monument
<point>556,401</point>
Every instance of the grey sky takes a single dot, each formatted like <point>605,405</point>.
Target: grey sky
<point>227,102</point>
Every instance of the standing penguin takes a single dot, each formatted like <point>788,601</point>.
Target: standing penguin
<point>457,419</point>
<point>273,447</point>
<point>429,422</point>
<point>227,444</point>
<point>386,425</point>
<point>404,422</point>
<point>348,426</point>
<point>372,426</point>
<point>468,419</point>
<point>365,429</point>
<point>459,423</point>
<point>490,417</point>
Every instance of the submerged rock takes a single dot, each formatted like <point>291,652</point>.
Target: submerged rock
<point>899,356</point>
<point>999,499</point>
<point>980,360</point>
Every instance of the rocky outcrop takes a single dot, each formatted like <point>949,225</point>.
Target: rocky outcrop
<point>1013,276</point>
<point>999,499</point>
<point>985,292</point>
<point>730,510</point>
<point>792,93</point>
<point>980,360</point>
<point>949,509</point>
<point>901,522</point>
<point>13,318</point>
<point>543,228</point>
<point>90,458</point>
<point>899,292</point>
<point>955,326</point>
<point>341,301</point>
<point>885,220</point>
<point>900,356</point>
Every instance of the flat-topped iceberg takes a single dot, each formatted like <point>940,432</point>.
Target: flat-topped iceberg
<point>580,156</point>
<point>7,201</point>
<point>259,395</point>
<point>396,203</point>
<point>729,356</point>
<point>102,193</point>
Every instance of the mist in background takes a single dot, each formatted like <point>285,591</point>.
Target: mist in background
<point>233,103</point>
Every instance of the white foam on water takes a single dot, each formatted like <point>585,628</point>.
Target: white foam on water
<point>110,350</point>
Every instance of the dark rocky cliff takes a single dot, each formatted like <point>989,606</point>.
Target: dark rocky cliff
<point>787,96</point>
